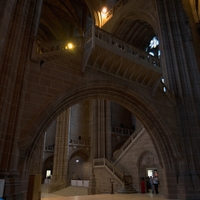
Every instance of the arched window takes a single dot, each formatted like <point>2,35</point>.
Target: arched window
<point>153,47</point>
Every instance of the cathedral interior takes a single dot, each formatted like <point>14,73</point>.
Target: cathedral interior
<point>96,93</point>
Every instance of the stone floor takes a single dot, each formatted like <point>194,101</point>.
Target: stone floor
<point>80,193</point>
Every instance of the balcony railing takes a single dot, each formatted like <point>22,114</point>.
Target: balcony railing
<point>90,37</point>
<point>79,142</point>
<point>96,34</point>
<point>49,148</point>
<point>47,47</point>
<point>122,131</point>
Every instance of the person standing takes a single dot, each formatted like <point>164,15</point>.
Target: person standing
<point>151,183</point>
<point>148,185</point>
<point>155,183</point>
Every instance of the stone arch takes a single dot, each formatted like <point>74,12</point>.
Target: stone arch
<point>147,158</point>
<point>94,11</point>
<point>80,169</point>
<point>137,15</point>
<point>131,98</point>
<point>150,158</point>
<point>141,15</point>
<point>81,153</point>
<point>195,4</point>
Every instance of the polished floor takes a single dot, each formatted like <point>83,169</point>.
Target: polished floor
<point>135,196</point>
<point>104,197</point>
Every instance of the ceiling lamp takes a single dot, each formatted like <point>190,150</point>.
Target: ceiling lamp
<point>104,10</point>
<point>104,6</point>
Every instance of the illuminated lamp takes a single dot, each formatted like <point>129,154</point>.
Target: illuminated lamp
<point>104,10</point>
<point>69,46</point>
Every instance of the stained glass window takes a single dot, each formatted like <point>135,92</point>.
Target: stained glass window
<point>153,47</point>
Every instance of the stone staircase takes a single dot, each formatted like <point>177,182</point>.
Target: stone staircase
<point>103,162</point>
<point>126,190</point>
<point>126,180</point>
<point>129,142</point>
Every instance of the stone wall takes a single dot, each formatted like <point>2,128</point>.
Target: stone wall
<point>137,158</point>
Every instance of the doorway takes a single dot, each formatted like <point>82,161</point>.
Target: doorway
<point>151,172</point>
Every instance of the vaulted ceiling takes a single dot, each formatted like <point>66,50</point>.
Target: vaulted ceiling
<point>63,19</point>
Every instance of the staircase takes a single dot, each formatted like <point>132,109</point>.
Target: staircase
<point>103,162</point>
<point>128,186</point>
<point>126,180</point>
<point>129,142</point>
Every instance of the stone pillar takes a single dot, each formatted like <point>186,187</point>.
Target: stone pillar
<point>100,129</point>
<point>37,157</point>
<point>108,130</point>
<point>183,80</point>
<point>15,33</point>
<point>93,150</point>
<point>60,177</point>
<point>78,123</point>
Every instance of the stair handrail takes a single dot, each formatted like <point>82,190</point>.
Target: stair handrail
<point>104,162</point>
<point>126,144</point>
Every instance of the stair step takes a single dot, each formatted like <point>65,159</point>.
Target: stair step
<point>126,190</point>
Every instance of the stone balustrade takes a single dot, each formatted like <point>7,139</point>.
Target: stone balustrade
<point>47,47</point>
<point>129,141</point>
<point>49,148</point>
<point>83,143</point>
<point>79,142</point>
<point>104,162</point>
<point>93,34</point>
<point>117,44</point>
<point>122,131</point>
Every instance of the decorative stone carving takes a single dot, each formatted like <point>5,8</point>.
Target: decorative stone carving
<point>147,159</point>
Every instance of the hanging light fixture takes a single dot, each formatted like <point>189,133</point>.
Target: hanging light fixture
<point>104,7</point>
<point>69,46</point>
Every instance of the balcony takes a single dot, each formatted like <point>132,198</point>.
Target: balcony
<point>107,54</point>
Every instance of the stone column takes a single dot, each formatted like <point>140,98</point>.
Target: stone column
<point>60,177</point>
<point>93,150</point>
<point>108,130</point>
<point>183,80</point>
<point>15,33</point>
<point>100,128</point>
